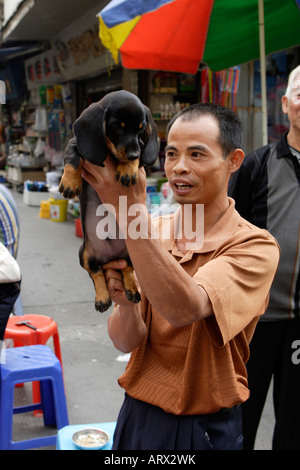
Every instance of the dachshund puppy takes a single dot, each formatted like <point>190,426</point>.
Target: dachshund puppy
<point>119,125</point>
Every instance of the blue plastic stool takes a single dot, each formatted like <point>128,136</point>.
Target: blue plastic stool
<point>64,435</point>
<point>28,364</point>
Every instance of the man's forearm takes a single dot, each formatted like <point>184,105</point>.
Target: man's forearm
<point>170,290</point>
<point>126,327</point>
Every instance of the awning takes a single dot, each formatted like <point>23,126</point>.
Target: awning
<point>9,52</point>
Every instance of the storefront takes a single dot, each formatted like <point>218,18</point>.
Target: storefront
<point>77,70</point>
<point>60,83</point>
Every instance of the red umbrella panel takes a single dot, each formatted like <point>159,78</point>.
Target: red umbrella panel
<point>171,37</point>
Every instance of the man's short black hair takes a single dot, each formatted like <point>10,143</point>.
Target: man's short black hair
<point>231,134</point>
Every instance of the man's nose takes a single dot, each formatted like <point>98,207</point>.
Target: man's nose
<point>182,165</point>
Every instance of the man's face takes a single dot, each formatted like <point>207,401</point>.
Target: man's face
<point>195,165</point>
<point>291,105</point>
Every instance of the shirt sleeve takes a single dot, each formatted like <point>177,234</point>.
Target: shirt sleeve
<point>9,268</point>
<point>237,281</point>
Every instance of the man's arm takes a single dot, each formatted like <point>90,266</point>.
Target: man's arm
<point>170,290</point>
<point>126,327</point>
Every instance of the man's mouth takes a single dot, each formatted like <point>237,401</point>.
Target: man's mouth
<point>182,187</point>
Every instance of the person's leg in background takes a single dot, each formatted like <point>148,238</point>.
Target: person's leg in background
<point>287,390</point>
<point>265,349</point>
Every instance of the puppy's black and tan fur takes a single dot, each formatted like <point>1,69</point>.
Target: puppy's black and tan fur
<point>121,126</point>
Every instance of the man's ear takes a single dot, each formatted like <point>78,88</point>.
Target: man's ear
<point>235,160</point>
<point>284,104</point>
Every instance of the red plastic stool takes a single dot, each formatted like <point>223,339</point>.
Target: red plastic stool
<point>31,329</point>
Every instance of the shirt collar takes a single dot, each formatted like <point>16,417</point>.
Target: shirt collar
<point>224,228</point>
<point>283,149</point>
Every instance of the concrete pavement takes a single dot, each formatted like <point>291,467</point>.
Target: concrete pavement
<point>54,284</point>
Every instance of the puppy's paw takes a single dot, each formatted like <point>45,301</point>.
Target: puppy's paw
<point>126,180</point>
<point>70,184</point>
<point>127,173</point>
<point>103,305</point>
<point>69,191</point>
<point>133,296</point>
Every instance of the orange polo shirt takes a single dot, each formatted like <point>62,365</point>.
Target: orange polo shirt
<point>200,368</point>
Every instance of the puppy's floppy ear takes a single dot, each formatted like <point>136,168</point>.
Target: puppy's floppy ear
<point>89,130</point>
<point>149,138</point>
<point>72,154</point>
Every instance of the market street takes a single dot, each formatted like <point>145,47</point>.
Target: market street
<point>55,285</point>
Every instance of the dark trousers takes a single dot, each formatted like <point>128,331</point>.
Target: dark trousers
<point>141,426</point>
<point>9,293</point>
<point>274,352</point>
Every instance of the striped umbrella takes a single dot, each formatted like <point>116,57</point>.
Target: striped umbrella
<point>177,35</point>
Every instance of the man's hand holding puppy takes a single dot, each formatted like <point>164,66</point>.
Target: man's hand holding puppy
<point>103,181</point>
<point>128,315</point>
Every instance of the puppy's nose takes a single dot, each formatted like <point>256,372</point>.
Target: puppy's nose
<point>133,155</point>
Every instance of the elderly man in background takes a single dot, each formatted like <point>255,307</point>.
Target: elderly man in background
<point>267,193</point>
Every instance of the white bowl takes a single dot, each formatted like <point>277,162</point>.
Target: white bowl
<point>90,438</point>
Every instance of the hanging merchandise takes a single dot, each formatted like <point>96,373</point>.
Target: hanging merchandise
<point>66,93</point>
<point>43,95</point>
<point>40,119</point>
<point>220,87</point>
<point>39,148</point>
<point>58,96</point>
<point>50,95</point>
<point>54,126</point>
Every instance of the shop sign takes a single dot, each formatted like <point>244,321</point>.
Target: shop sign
<point>42,69</point>
<point>81,48</point>
<point>80,55</point>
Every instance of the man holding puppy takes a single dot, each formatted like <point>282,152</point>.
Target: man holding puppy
<point>189,336</point>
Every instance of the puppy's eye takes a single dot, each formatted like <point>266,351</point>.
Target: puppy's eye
<point>118,126</point>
